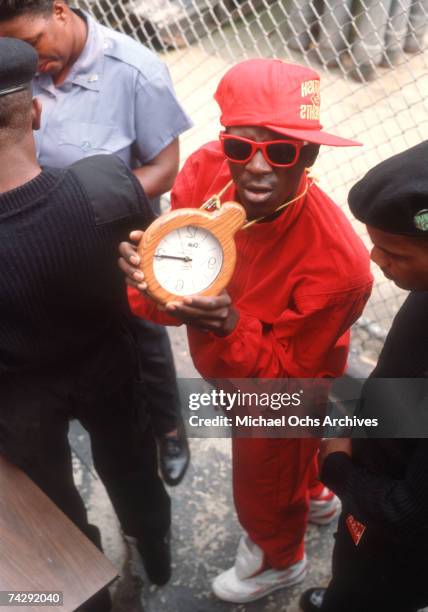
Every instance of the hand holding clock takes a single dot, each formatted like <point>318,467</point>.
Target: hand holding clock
<point>215,314</point>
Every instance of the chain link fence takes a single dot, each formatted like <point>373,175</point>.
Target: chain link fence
<point>372,57</point>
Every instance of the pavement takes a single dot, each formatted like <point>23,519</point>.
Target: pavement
<point>205,530</point>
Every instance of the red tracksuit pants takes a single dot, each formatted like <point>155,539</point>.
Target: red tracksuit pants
<point>271,482</point>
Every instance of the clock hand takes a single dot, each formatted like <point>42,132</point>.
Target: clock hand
<point>185,258</point>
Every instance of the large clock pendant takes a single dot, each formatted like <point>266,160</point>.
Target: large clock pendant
<point>190,251</point>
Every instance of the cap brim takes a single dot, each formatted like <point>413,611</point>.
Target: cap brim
<point>315,136</point>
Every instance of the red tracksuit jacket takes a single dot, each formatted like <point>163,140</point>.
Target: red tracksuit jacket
<point>299,284</point>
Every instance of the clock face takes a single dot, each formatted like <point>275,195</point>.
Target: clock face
<point>187,260</point>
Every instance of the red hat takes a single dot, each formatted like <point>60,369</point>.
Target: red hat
<point>282,97</point>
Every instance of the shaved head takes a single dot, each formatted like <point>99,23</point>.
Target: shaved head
<point>15,8</point>
<point>15,116</point>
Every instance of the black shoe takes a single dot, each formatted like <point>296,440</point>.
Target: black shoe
<point>174,457</point>
<point>156,556</point>
<point>312,600</point>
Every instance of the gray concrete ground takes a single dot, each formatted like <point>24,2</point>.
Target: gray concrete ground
<point>205,530</point>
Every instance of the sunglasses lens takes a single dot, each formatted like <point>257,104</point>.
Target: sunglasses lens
<point>281,153</point>
<point>236,149</point>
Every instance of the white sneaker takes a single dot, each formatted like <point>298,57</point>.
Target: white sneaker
<point>323,508</point>
<point>245,582</point>
<point>249,558</point>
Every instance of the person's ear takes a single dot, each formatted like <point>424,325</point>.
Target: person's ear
<point>36,113</point>
<point>60,10</point>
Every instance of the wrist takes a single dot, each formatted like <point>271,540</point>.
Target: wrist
<point>229,324</point>
<point>336,471</point>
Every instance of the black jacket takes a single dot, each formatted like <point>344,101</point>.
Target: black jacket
<point>385,485</point>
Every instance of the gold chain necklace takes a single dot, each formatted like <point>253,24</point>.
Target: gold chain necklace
<point>214,202</point>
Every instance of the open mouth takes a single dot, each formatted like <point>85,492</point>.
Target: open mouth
<point>256,194</point>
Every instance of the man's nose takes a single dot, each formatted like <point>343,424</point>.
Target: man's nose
<point>258,164</point>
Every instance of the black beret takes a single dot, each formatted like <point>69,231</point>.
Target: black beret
<point>393,196</point>
<point>18,65</point>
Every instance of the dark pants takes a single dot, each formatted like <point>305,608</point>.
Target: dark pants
<point>158,373</point>
<point>101,392</point>
<point>376,575</point>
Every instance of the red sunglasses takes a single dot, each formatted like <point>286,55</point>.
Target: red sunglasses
<point>282,153</point>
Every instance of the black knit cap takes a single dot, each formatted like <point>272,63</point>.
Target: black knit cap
<point>393,196</point>
<point>18,65</point>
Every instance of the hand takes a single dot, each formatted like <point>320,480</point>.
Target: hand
<point>209,314</point>
<point>130,260</point>
<point>333,445</point>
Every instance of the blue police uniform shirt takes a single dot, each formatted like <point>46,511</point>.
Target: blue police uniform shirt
<point>118,98</point>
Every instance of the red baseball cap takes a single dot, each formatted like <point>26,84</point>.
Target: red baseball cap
<point>282,97</point>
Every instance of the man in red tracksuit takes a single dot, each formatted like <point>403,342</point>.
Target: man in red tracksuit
<point>301,279</point>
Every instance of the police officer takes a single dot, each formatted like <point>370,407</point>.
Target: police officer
<point>381,552</point>
<point>103,92</point>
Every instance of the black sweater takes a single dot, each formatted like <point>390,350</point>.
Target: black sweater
<point>60,287</point>
<point>385,485</point>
